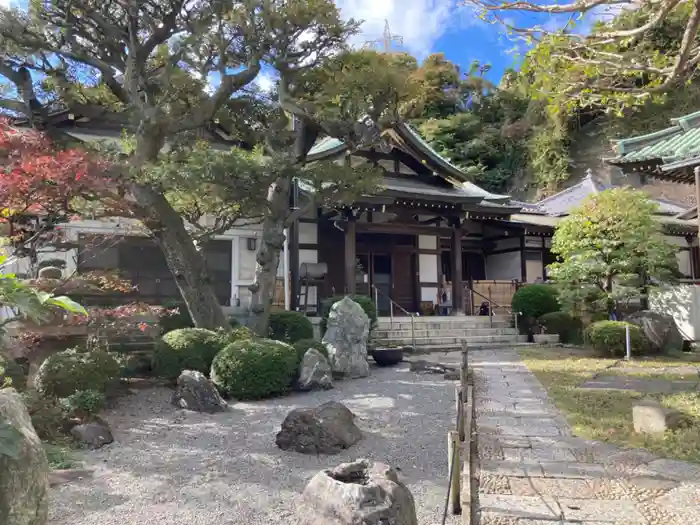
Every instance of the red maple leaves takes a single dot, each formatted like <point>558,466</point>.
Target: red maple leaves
<point>38,178</point>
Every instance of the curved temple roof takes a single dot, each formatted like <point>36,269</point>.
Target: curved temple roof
<point>408,139</point>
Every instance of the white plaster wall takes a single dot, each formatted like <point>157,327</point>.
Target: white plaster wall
<point>684,263</point>
<point>503,266</point>
<point>534,270</point>
<point>428,267</point>
<point>308,233</point>
<point>429,293</point>
<point>427,242</point>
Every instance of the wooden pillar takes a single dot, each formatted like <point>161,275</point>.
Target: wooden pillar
<point>523,259</point>
<point>457,285</point>
<point>350,254</point>
<point>293,241</point>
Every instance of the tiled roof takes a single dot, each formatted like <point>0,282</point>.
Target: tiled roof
<point>674,144</point>
<point>562,202</point>
<point>329,147</point>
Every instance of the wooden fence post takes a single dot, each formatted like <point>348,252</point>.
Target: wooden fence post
<point>454,471</point>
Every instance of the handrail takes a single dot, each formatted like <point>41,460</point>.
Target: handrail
<point>377,291</point>
<point>491,305</point>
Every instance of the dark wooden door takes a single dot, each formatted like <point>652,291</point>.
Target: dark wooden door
<point>403,282</point>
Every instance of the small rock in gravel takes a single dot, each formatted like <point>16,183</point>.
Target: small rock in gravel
<point>327,429</point>
<point>195,392</point>
<point>94,434</point>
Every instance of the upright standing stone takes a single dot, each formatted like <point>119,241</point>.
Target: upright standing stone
<point>314,372</point>
<point>346,339</point>
<point>660,330</point>
<point>24,480</point>
<point>358,493</point>
<point>195,392</point>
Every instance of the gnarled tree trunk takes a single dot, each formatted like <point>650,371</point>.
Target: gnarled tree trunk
<point>184,261</point>
<point>268,257</point>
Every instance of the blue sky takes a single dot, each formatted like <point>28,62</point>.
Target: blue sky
<point>430,26</point>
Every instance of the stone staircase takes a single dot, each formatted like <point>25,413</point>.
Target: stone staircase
<point>436,333</point>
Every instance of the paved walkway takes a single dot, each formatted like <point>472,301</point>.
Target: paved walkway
<point>534,472</point>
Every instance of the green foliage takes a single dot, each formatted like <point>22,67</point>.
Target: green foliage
<point>233,322</point>
<point>570,329</point>
<point>255,369</point>
<point>64,373</point>
<point>608,338</point>
<point>48,418</point>
<point>300,347</point>
<point>290,327</point>
<point>12,374</point>
<point>535,300</point>
<point>83,403</point>
<point>363,300</point>
<point>59,456</point>
<point>185,349</point>
<point>609,250</point>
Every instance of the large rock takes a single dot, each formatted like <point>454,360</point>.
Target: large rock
<point>650,417</point>
<point>195,392</point>
<point>660,329</point>
<point>327,429</point>
<point>314,372</point>
<point>358,493</point>
<point>346,339</point>
<point>24,480</point>
<point>94,434</point>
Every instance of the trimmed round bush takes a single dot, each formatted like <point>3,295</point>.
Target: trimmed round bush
<point>608,338</point>
<point>363,300</point>
<point>532,302</point>
<point>300,347</point>
<point>240,333</point>
<point>289,327</point>
<point>569,328</point>
<point>186,349</point>
<point>255,369</point>
<point>65,373</point>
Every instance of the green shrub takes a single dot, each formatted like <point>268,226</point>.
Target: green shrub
<point>608,338</point>
<point>255,369</point>
<point>289,327</point>
<point>569,328</point>
<point>240,333</point>
<point>83,404</point>
<point>175,321</point>
<point>363,300</point>
<point>532,302</point>
<point>185,349</point>
<point>233,323</point>
<point>46,414</point>
<point>12,374</point>
<point>67,372</point>
<point>300,347</point>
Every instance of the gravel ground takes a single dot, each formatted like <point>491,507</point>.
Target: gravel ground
<point>173,467</point>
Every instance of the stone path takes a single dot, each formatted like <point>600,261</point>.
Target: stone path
<point>532,471</point>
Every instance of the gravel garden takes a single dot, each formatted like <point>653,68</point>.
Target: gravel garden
<point>227,427</point>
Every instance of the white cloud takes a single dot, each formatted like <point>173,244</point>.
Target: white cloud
<point>420,25</point>
<point>266,80</point>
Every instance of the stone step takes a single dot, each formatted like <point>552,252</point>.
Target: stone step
<point>457,341</point>
<point>451,332</point>
<point>441,348</point>
<point>406,325</point>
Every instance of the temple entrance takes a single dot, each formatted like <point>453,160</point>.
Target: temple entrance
<point>390,267</point>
